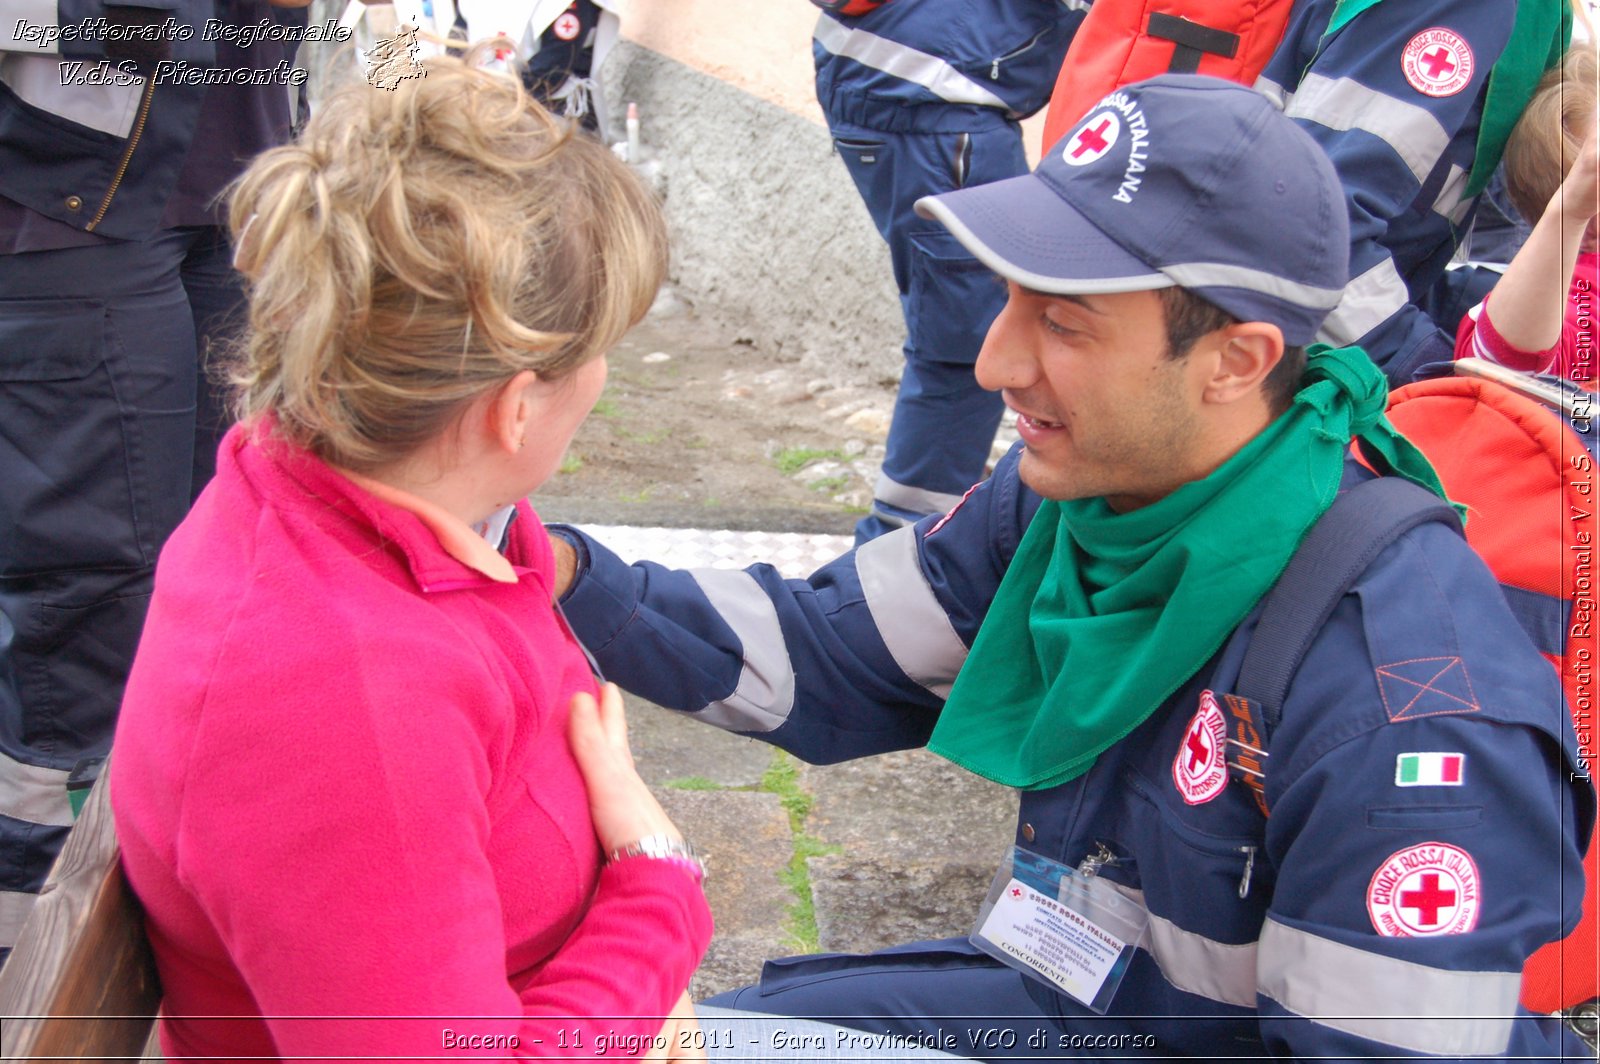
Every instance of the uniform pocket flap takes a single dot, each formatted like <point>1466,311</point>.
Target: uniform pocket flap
<point>50,340</point>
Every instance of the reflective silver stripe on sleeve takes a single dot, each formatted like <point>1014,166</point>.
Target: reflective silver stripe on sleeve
<point>1206,274</point>
<point>1341,103</point>
<point>15,905</point>
<point>1399,1003</point>
<point>1452,201</point>
<point>765,693</point>
<point>910,620</point>
<point>33,794</point>
<point>917,500</point>
<point>1272,91</point>
<point>1195,964</point>
<point>908,64</point>
<point>1369,300</point>
<point>37,81</point>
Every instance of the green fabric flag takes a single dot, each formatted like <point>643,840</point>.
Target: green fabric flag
<point>1102,616</point>
<point>1538,39</point>
<point>1343,12</point>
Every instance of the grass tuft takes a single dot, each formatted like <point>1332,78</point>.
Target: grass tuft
<point>791,460</point>
<point>829,485</point>
<point>783,779</point>
<point>694,783</point>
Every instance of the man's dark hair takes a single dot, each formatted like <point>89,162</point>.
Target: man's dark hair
<point>1189,317</point>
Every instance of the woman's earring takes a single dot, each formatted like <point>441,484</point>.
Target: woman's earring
<point>520,441</point>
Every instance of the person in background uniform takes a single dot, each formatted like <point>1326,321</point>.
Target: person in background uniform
<point>564,60</point>
<point>115,288</point>
<point>1074,627</point>
<point>1412,101</point>
<point>1498,230</point>
<point>923,96</point>
<point>1402,99</point>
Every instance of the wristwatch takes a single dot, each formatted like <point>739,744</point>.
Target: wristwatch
<point>664,847</point>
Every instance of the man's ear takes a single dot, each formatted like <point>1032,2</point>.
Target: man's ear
<point>1245,353</point>
<point>510,411</point>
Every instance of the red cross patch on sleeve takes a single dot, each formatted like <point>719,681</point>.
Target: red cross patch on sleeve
<point>1424,890</point>
<point>1437,62</point>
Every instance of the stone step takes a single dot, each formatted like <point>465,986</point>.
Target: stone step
<point>908,843</point>
<point>915,835</point>
<point>747,843</point>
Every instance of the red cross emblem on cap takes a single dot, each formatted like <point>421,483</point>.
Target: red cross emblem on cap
<point>1437,62</point>
<point>1092,139</point>
<point>1431,889</point>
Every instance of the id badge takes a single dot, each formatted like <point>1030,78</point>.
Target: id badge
<point>1067,929</point>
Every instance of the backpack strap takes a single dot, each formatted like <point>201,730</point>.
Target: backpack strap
<point>1361,523</point>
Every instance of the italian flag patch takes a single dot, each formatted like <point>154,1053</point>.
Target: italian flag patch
<point>1429,770</point>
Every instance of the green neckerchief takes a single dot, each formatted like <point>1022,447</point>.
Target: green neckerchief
<point>1102,616</point>
<point>1539,36</point>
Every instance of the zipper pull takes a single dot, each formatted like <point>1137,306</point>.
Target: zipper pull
<point>994,71</point>
<point>1249,866</point>
<point>1102,856</point>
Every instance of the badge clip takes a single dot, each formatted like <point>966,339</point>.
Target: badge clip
<point>1065,927</point>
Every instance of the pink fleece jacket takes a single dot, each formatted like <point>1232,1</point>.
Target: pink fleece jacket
<point>345,795</point>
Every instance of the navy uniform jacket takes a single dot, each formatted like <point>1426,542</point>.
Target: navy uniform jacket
<point>1403,152</point>
<point>101,145</point>
<point>1265,932</point>
<point>942,65</point>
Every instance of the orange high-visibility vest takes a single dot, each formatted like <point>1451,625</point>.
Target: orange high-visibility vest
<point>1123,41</point>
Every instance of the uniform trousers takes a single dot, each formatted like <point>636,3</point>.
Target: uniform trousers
<point>108,428</point>
<point>944,423</point>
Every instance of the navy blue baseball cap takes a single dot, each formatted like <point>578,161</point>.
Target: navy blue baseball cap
<point>1179,180</point>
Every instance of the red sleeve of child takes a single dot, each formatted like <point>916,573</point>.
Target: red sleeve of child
<point>1476,337</point>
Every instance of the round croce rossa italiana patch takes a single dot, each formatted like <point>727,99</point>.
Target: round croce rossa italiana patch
<point>1437,62</point>
<point>1200,769</point>
<point>1424,890</point>
<point>1091,140</point>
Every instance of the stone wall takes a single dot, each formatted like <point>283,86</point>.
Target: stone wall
<point>770,238</point>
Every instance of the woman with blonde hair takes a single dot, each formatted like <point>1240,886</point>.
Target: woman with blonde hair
<point>344,781</point>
